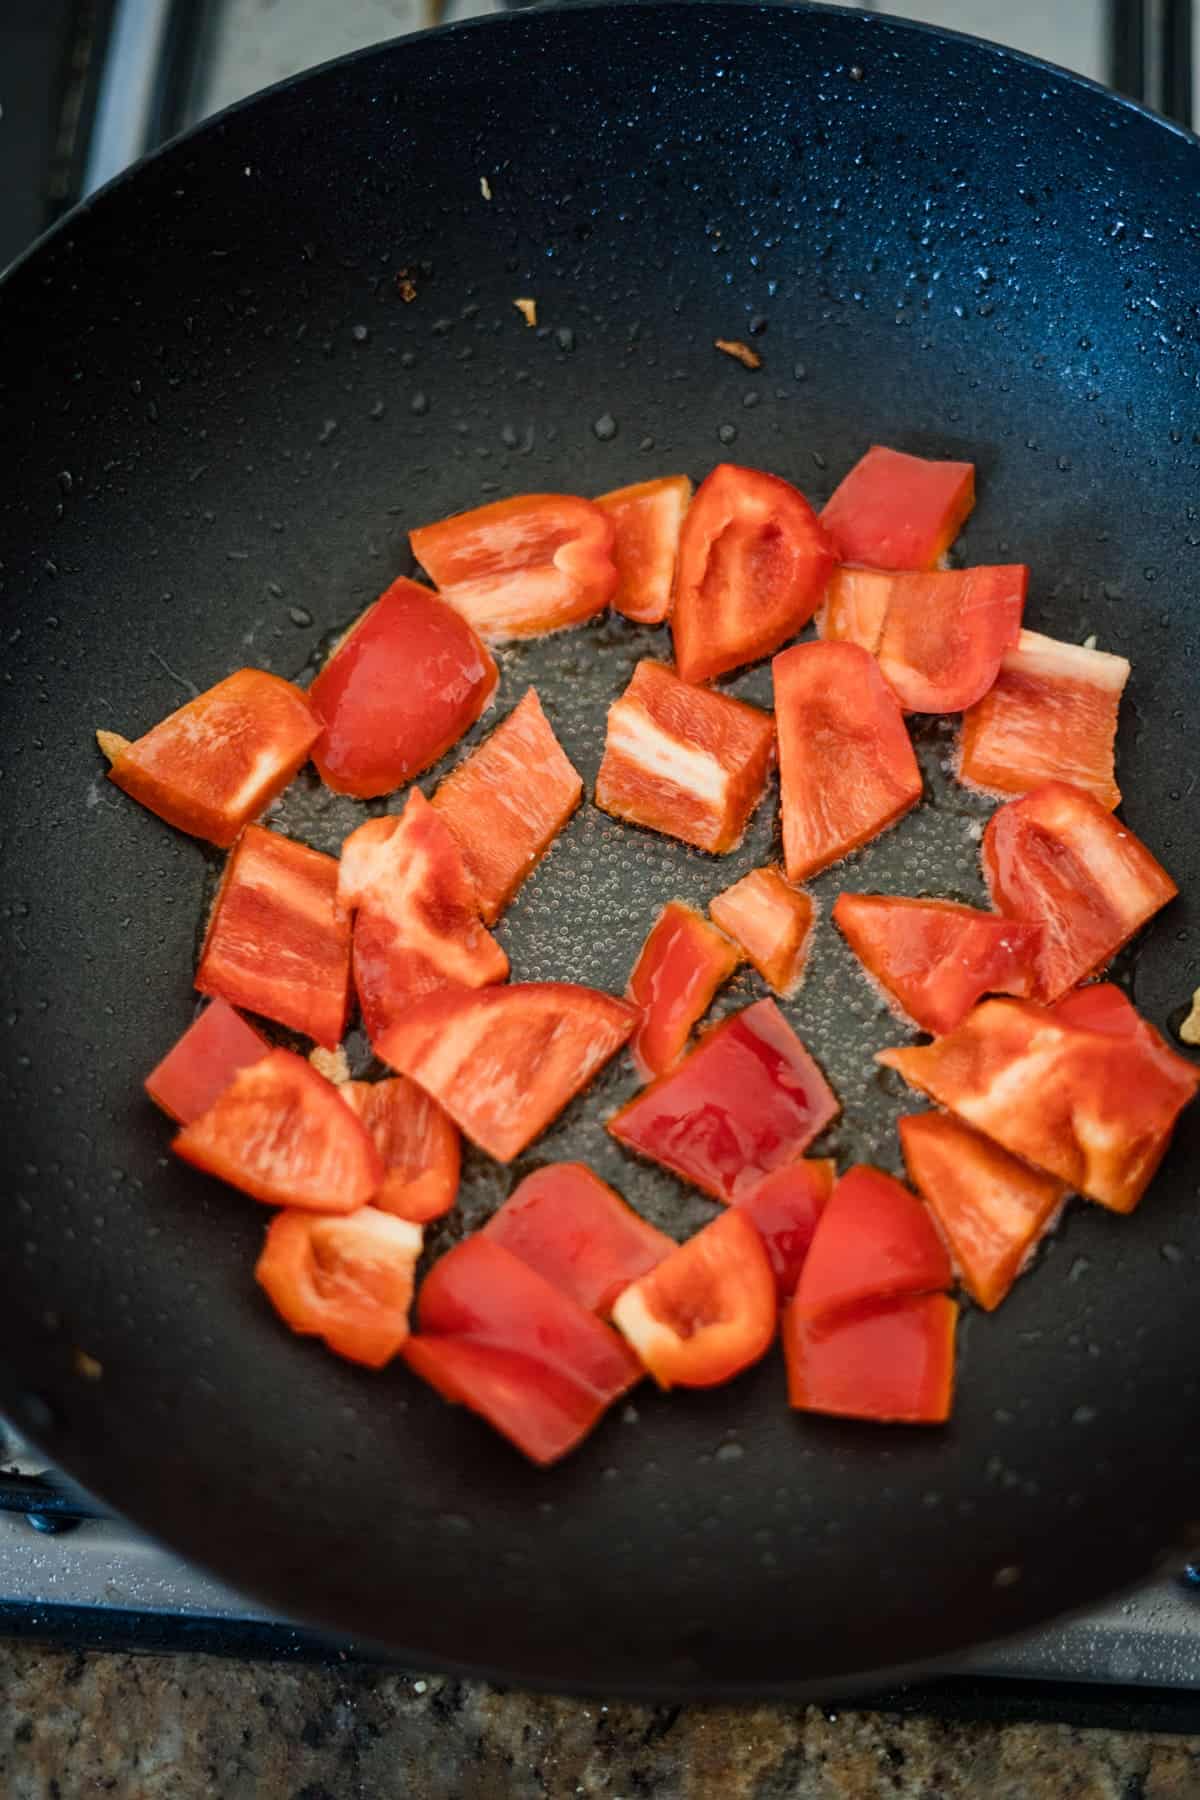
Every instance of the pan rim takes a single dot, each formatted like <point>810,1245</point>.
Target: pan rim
<point>513,21</point>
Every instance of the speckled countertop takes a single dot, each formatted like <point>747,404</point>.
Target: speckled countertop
<point>189,1727</point>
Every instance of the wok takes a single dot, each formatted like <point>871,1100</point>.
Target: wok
<point>222,415</point>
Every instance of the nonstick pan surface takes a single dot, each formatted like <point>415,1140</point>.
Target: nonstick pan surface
<point>222,415</point>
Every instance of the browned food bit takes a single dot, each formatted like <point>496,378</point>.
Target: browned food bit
<point>331,1064</point>
<point>406,287</point>
<point>1189,1031</point>
<point>749,359</point>
<point>527,310</point>
<point>112,744</point>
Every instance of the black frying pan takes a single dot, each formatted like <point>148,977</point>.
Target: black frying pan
<point>221,418</point>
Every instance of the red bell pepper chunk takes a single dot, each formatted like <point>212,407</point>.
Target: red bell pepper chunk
<point>503,1062</point>
<point>773,924</point>
<point>856,603</point>
<point>204,1062</point>
<point>1093,1108</point>
<point>679,968</point>
<point>753,564</point>
<point>524,566</point>
<point>417,1144</point>
<point>940,636</point>
<point>346,1280</point>
<point>416,918</point>
<point>283,1134</point>
<point>399,690</point>
<point>647,519</point>
<point>874,1241</point>
<point>937,958</point>
<point>1051,715</point>
<point>480,1290</point>
<point>578,1233</point>
<point>1057,857</point>
<point>991,1207</point>
<point>707,1311</point>
<point>746,1100</point>
<point>278,943</point>
<point>945,634</point>
<point>499,1338</point>
<point>784,1208</point>
<point>683,760</point>
<point>508,801</point>
<point>1100,1007</point>
<point>846,767</point>
<point>892,1362</point>
<point>221,759</point>
<point>895,511</point>
<point>541,1411</point>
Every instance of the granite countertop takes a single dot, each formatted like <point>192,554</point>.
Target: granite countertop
<point>191,1727</point>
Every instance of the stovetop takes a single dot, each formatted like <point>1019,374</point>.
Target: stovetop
<point>85,87</point>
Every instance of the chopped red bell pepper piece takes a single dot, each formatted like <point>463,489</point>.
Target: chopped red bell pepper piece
<point>784,1208</point>
<point>683,760</point>
<point>946,631</point>
<point>346,1280</point>
<point>940,636</point>
<point>856,603</point>
<point>747,1099</point>
<point>278,943</point>
<point>480,1290</point>
<point>772,922</point>
<point>508,801</point>
<point>1051,715</point>
<point>416,917</point>
<point>992,1208</point>
<point>647,519</point>
<point>204,1062</point>
<point>520,567</point>
<point>753,564</point>
<point>895,511</point>
<point>499,1338</point>
<point>577,1232</point>
<point>220,760</point>
<point>1100,1007</point>
<point>283,1134</point>
<point>707,1311</point>
<point>679,968</point>
<point>892,1361</point>
<point>936,958</point>
<point>1058,857</point>
<point>1093,1108</point>
<point>846,766</point>
<point>399,690</point>
<point>417,1144</point>
<point>540,1410</point>
<point>874,1241</point>
<point>504,1061</point>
